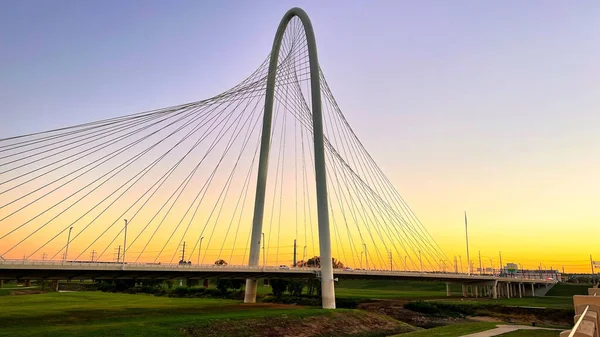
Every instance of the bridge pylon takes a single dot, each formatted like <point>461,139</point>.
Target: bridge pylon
<point>327,282</point>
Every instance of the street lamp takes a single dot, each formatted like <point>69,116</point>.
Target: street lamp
<point>366,256</point>
<point>68,241</point>
<point>263,248</point>
<point>125,242</point>
<point>200,249</point>
<point>361,254</point>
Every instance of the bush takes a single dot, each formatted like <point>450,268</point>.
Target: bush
<point>440,309</point>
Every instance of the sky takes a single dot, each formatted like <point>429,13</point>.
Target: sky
<point>490,107</point>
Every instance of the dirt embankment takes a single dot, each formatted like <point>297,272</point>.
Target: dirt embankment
<point>395,309</point>
<point>518,315</point>
<point>339,323</point>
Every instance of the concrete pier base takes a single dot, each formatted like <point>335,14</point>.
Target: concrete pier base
<point>250,295</point>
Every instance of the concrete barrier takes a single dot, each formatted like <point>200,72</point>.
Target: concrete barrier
<point>585,329</point>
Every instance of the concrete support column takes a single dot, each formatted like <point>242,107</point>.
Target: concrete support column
<point>205,283</point>
<point>507,290</point>
<point>55,285</point>
<point>532,290</point>
<point>448,293</point>
<point>520,291</point>
<point>1,283</point>
<point>495,291</point>
<point>28,283</point>
<point>476,291</point>
<point>464,290</point>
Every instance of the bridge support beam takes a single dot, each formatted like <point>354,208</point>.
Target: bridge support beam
<point>520,290</point>
<point>507,290</point>
<point>532,290</point>
<point>495,290</point>
<point>28,283</point>
<point>327,286</point>
<point>1,283</point>
<point>448,293</point>
<point>464,290</point>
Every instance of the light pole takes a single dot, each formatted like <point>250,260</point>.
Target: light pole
<point>366,256</point>
<point>492,265</point>
<point>125,241</point>
<point>467,236</point>
<point>361,254</point>
<point>304,255</point>
<point>68,241</point>
<point>263,249</point>
<point>200,249</point>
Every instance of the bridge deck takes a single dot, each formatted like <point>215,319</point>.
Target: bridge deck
<point>98,270</point>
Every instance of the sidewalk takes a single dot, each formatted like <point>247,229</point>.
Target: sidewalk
<point>501,328</point>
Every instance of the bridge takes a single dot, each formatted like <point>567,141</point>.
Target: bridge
<point>135,194</point>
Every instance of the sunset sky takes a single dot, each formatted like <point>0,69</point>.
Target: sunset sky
<point>491,107</point>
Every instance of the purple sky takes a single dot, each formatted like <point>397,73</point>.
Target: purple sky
<point>486,105</point>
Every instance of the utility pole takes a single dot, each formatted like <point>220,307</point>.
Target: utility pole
<point>592,264</point>
<point>467,236</point>
<point>125,242</point>
<point>304,254</point>
<point>421,261</point>
<point>294,253</point>
<point>183,252</point>
<point>366,256</point>
<point>501,265</point>
<point>263,248</point>
<point>361,254</point>
<point>480,268</point>
<point>200,249</point>
<point>491,264</point>
<point>68,240</point>
<point>93,253</point>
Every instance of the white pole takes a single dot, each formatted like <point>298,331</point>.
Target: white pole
<point>68,241</point>
<point>125,241</point>
<point>467,235</point>
<point>200,249</point>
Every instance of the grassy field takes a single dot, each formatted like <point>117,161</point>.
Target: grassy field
<point>569,289</point>
<point>541,302</point>
<point>382,289</point>
<point>108,314</point>
<point>532,333</point>
<point>454,330</point>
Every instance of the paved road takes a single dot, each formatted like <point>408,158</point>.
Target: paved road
<point>504,329</point>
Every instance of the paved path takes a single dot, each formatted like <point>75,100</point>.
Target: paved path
<point>504,329</point>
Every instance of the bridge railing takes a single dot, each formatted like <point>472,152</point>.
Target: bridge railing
<point>25,262</point>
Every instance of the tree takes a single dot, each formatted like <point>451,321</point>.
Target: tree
<point>295,287</point>
<point>315,262</point>
<point>278,286</point>
<point>225,285</point>
<point>221,262</point>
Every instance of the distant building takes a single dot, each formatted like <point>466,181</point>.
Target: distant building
<point>512,270</point>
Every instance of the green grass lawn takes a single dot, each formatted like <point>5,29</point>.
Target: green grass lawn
<point>553,302</point>
<point>532,333</point>
<point>107,314</point>
<point>569,289</point>
<point>454,330</point>
<point>95,313</point>
<point>381,289</point>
